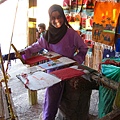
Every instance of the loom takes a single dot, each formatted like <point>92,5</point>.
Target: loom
<point>92,80</point>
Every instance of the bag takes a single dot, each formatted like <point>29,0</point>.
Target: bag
<point>105,21</point>
<point>107,96</point>
<point>108,53</point>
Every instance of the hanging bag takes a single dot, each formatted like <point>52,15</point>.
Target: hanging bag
<point>105,22</point>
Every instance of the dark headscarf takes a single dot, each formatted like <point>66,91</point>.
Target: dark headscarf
<point>54,35</point>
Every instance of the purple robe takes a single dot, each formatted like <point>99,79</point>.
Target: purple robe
<point>66,47</point>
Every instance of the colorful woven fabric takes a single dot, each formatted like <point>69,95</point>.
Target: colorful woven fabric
<point>67,73</point>
<point>36,59</point>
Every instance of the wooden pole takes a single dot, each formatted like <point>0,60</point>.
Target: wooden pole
<point>12,35</point>
<point>1,103</point>
<point>18,54</point>
<point>116,103</point>
<point>31,22</point>
<point>12,116</point>
<point>105,81</point>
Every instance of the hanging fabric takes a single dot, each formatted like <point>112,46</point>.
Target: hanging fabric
<point>88,4</point>
<point>105,22</point>
<point>117,42</point>
<point>89,59</point>
<point>97,55</point>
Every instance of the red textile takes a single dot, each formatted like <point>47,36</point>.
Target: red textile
<point>67,73</point>
<point>35,59</point>
<point>110,62</point>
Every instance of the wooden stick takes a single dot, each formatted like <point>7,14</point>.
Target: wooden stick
<point>116,103</point>
<point>105,81</point>
<point>1,103</point>
<point>18,54</point>
<point>114,115</point>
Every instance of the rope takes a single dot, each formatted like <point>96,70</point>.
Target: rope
<point>12,36</point>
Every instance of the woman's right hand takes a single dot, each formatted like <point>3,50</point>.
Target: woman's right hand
<point>22,52</point>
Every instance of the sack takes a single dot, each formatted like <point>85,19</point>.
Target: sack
<point>105,22</point>
<point>107,96</point>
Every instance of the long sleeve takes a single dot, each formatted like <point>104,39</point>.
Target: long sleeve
<point>81,48</point>
<point>66,47</point>
<point>34,48</point>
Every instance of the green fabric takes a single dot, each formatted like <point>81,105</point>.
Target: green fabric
<point>106,95</point>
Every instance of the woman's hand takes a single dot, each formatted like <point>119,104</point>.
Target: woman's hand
<point>22,52</point>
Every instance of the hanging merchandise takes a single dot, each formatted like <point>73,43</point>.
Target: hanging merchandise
<point>117,48</point>
<point>108,53</point>
<point>66,6</point>
<point>72,6</point>
<point>88,39</point>
<point>72,10</point>
<point>117,45</point>
<point>86,20</point>
<point>97,55</point>
<point>88,4</point>
<point>91,4</point>
<point>117,42</point>
<point>74,20</point>
<point>76,5</point>
<point>105,22</point>
<point>83,20</point>
<point>89,58</point>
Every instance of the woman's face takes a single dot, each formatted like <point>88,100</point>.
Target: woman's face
<point>56,19</point>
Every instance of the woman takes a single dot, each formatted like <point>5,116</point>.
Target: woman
<point>62,39</point>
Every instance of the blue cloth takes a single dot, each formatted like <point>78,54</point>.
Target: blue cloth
<point>107,53</point>
<point>117,45</point>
